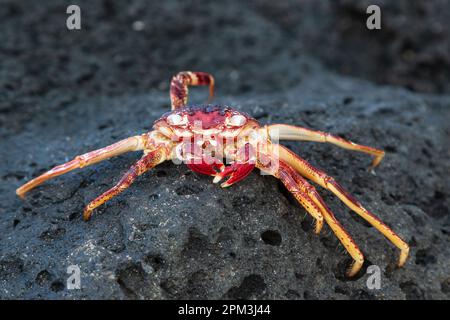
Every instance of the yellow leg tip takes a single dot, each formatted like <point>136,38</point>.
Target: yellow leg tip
<point>318,228</point>
<point>376,161</point>
<point>403,257</point>
<point>354,269</point>
<point>20,194</point>
<point>87,214</point>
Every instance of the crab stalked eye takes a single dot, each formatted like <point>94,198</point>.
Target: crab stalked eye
<point>237,120</point>
<point>175,119</point>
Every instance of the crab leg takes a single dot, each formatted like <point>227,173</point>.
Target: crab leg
<point>310,199</point>
<point>147,162</point>
<point>179,86</point>
<point>290,179</point>
<point>327,182</point>
<point>288,132</point>
<point>130,144</point>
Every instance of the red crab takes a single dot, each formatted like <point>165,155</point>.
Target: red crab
<point>203,136</point>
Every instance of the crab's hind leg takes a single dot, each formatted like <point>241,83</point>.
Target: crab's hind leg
<point>147,162</point>
<point>181,81</point>
<point>287,177</point>
<point>289,132</point>
<point>309,198</point>
<point>130,144</point>
<point>327,182</point>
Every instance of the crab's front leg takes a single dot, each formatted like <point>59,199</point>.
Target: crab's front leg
<point>147,162</point>
<point>130,144</point>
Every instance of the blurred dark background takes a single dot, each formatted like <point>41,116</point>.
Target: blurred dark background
<point>258,46</point>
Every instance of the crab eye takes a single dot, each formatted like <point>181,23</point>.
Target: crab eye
<point>237,120</point>
<point>174,119</point>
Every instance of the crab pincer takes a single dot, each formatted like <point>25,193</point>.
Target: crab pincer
<point>205,168</point>
<point>239,169</point>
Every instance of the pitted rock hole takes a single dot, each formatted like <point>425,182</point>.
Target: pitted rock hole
<point>252,286</point>
<point>271,237</point>
<point>154,260</point>
<point>43,277</point>
<point>412,290</point>
<point>57,286</point>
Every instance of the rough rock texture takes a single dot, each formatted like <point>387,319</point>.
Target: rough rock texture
<point>174,234</point>
<point>410,50</point>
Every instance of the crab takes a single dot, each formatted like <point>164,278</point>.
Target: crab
<point>228,144</point>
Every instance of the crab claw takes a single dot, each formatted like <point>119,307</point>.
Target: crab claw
<point>236,172</point>
<point>204,168</point>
